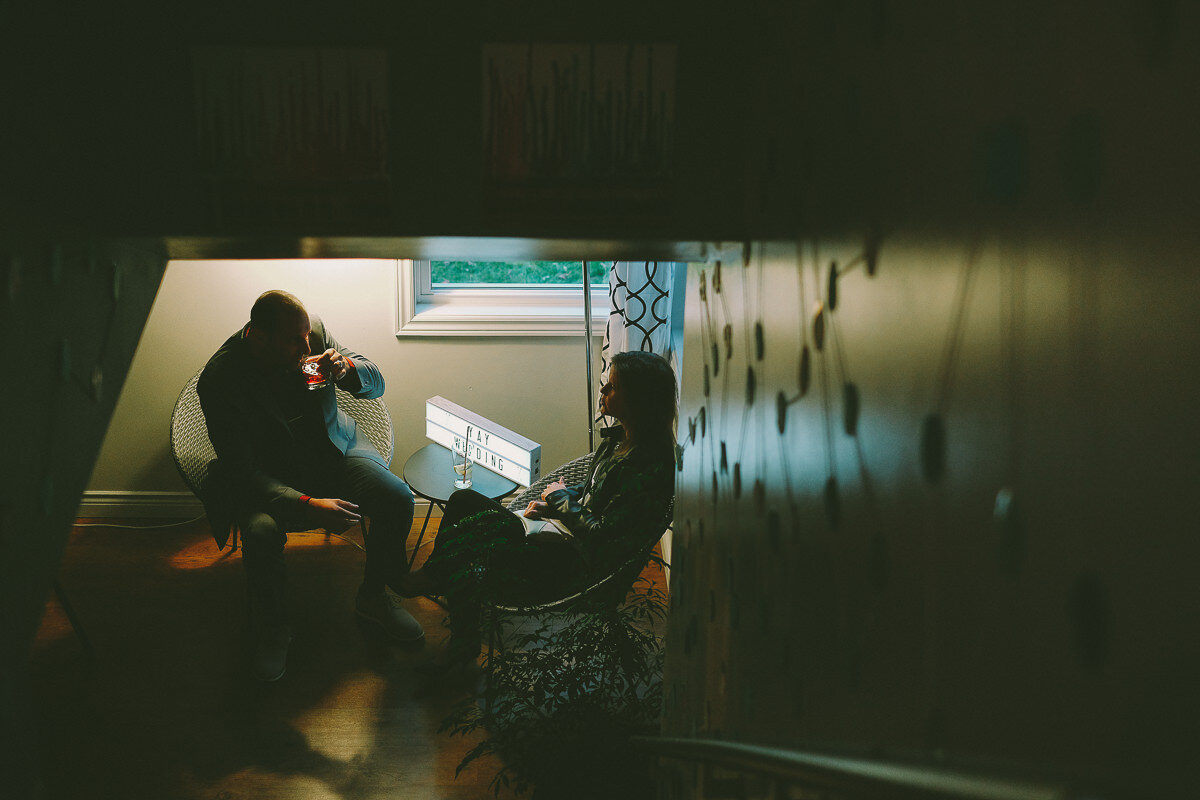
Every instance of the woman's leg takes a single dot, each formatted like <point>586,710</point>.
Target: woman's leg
<point>452,542</point>
<point>460,566</point>
<point>464,503</point>
<point>509,570</point>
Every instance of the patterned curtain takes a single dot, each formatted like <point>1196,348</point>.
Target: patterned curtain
<point>639,317</point>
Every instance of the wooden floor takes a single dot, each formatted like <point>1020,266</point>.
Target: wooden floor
<point>163,709</point>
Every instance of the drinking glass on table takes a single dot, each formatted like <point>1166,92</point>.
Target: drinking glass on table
<point>461,459</point>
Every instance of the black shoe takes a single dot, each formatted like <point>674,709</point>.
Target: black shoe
<point>268,652</point>
<point>455,657</point>
<point>385,611</point>
<point>415,584</point>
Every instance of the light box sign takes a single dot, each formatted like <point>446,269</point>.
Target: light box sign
<point>493,446</point>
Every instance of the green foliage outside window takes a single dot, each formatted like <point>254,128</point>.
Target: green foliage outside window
<point>512,272</point>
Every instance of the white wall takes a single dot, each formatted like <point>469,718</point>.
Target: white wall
<point>534,386</point>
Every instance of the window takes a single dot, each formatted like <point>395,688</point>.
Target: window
<point>517,298</point>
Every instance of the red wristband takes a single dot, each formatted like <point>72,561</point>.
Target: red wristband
<point>304,499</point>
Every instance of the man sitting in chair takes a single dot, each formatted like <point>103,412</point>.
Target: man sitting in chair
<point>288,460</point>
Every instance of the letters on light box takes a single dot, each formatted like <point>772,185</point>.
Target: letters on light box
<point>493,446</point>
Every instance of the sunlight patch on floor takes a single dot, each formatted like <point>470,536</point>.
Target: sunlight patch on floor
<point>263,785</point>
<point>358,694</point>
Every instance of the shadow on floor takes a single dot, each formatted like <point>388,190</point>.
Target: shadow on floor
<point>163,709</point>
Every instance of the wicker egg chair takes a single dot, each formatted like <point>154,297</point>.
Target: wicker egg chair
<point>611,588</point>
<point>194,453</point>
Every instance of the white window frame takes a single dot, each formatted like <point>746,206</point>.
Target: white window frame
<point>487,309</point>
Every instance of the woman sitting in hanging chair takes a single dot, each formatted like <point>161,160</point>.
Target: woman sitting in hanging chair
<point>574,535</point>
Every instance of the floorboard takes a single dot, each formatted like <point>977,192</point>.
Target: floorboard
<point>162,707</point>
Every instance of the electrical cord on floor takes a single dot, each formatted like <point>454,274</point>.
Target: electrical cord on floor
<point>338,535</point>
<point>197,519</point>
<point>347,539</point>
<point>136,527</point>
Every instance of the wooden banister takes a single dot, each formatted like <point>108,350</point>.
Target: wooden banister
<point>856,778</point>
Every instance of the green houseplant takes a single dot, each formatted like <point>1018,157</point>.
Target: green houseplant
<point>565,697</point>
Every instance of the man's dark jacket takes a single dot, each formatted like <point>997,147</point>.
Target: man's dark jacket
<point>257,447</point>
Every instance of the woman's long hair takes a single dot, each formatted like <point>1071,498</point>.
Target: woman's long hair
<point>649,384</point>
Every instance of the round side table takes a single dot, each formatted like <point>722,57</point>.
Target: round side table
<point>429,474</point>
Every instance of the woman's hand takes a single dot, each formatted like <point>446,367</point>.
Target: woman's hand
<point>535,510</point>
<point>553,487</point>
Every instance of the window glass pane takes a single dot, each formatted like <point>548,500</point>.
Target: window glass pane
<point>550,273</point>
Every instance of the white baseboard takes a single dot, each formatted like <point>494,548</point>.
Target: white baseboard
<point>139,504</point>
<point>165,505</point>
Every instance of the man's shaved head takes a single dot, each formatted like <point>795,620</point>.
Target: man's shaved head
<point>278,331</point>
<point>273,308</point>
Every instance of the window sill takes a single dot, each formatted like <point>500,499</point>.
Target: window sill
<point>490,320</point>
<point>493,313</point>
